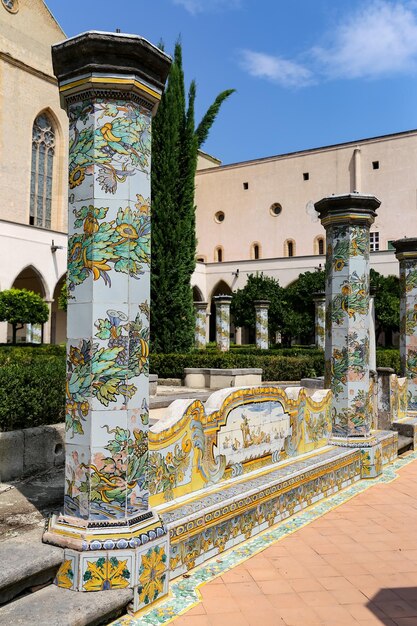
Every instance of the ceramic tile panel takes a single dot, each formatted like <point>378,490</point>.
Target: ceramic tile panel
<point>102,571</point>
<point>200,325</point>
<point>152,574</point>
<point>67,575</point>
<point>77,481</point>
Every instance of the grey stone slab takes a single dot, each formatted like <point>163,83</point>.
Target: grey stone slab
<point>11,455</point>
<point>52,606</point>
<point>26,562</point>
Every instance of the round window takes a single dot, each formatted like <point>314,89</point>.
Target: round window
<point>275,209</point>
<point>219,217</point>
<point>11,5</point>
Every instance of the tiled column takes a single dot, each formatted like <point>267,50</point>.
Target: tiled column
<point>347,220</point>
<point>320,319</point>
<point>110,85</point>
<point>372,332</point>
<point>261,330</point>
<point>223,322</point>
<point>200,325</point>
<point>406,253</point>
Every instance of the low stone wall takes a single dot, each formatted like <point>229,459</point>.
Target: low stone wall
<point>31,450</point>
<point>212,378</point>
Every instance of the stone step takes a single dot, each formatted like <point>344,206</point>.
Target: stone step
<point>26,563</point>
<point>404,444</point>
<point>62,607</point>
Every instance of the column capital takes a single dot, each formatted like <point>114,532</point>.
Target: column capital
<point>318,296</point>
<point>200,305</point>
<point>222,299</point>
<point>110,62</point>
<point>351,208</point>
<point>405,248</point>
<point>262,303</point>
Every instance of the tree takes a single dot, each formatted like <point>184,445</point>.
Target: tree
<point>387,304</point>
<point>299,314</point>
<point>175,144</point>
<point>258,287</point>
<point>20,307</point>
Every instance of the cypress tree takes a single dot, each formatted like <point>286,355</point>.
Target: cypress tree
<point>175,144</point>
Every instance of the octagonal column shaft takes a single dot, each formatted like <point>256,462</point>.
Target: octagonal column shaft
<point>347,220</point>
<point>320,318</point>
<point>110,85</point>
<point>222,304</point>
<point>406,253</point>
<point>200,325</point>
<point>261,328</point>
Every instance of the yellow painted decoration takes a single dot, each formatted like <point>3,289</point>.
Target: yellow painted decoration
<point>65,575</point>
<point>152,574</point>
<point>103,574</point>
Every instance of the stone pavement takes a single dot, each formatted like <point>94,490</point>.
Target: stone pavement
<point>355,565</point>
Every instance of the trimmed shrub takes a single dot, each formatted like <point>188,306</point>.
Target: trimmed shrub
<point>32,386</point>
<point>274,367</point>
<point>32,392</point>
<point>388,358</point>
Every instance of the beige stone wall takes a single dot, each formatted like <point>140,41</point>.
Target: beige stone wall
<point>28,87</point>
<point>332,170</point>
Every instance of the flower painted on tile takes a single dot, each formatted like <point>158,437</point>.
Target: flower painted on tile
<point>65,575</point>
<point>104,574</point>
<point>100,246</point>
<point>118,147</point>
<point>152,574</point>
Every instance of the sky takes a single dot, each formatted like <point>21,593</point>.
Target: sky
<point>307,73</point>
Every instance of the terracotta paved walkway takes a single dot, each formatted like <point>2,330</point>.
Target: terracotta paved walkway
<point>355,565</point>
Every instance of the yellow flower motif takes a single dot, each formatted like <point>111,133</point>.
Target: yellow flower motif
<point>168,458</point>
<point>142,204</point>
<point>65,575</point>
<point>152,574</point>
<point>127,231</point>
<point>76,177</point>
<point>339,265</point>
<point>104,574</point>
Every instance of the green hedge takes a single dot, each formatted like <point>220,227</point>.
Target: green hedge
<point>275,368</point>
<point>388,358</point>
<point>32,386</point>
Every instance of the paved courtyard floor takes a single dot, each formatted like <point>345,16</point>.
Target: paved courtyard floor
<point>349,560</point>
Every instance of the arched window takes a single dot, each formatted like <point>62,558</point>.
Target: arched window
<point>218,255</point>
<point>289,248</point>
<point>43,150</point>
<point>255,251</point>
<point>318,245</point>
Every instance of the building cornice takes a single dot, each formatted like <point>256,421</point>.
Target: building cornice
<point>311,151</point>
<point>5,56</point>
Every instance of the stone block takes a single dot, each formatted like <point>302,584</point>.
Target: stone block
<point>44,448</point>
<point>11,455</point>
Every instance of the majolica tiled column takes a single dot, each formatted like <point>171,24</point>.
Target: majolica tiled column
<point>200,325</point>
<point>320,319</point>
<point>223,322</point>
<point>406,253</point>
<point>347,220</point>
<point>261,328</point>
<point>372,331</point>
<point>110,85</point>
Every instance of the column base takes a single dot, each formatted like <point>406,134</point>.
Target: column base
<point>107,555</point>
<point>371,452</point>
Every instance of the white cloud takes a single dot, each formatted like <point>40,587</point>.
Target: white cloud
<point>276,69</point>
<point>379,40</point>
<point>200,6</point>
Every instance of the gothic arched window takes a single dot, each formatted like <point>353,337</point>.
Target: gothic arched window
<point>43,150</point>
